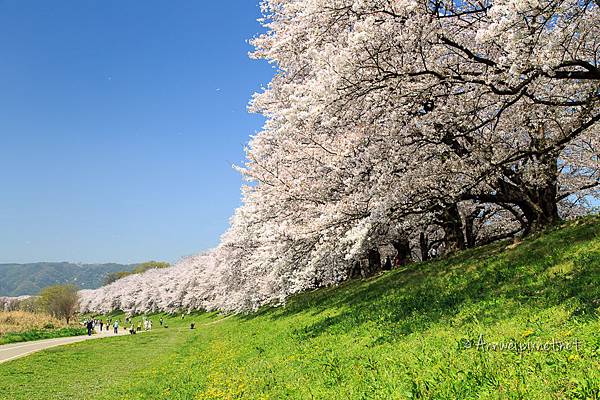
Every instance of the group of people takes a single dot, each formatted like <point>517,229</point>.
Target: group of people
<point>145,323</point>
<point>133,329</point>
<point>93,324</point>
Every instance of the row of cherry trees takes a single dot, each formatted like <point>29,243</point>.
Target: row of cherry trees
<point>409,128</point>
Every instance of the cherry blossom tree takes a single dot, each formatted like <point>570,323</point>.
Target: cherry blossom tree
<point>401,128</point>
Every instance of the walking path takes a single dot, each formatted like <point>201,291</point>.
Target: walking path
<point>16,350</point>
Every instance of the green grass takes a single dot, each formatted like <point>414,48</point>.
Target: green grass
<point>38,334</point>
<point>407,334</point>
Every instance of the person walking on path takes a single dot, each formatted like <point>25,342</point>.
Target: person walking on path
<point>90,326</point>
<point>116,326</point>
<point>101,325</point>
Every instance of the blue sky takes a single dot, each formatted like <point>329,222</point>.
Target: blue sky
<point>119,123</point>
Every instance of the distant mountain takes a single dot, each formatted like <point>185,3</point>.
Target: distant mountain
<point>28,279</point>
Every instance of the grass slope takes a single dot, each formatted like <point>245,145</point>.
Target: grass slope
<point>410,333</point>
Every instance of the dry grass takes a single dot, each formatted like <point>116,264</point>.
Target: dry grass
<point>23,321</point>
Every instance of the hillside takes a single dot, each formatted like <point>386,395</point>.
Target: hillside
<point>412,333</point>
<point>28,279</point>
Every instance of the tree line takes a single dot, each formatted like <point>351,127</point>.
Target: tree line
<point>404,128</point>
<point>59,301</point>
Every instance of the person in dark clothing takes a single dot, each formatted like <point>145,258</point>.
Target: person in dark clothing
<point>101,325</point>
<point>388,264</point>
<point>90,326</point>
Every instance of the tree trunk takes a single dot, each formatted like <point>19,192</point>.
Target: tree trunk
<point>424,245</point>
<point>540,205</point>
<point>374,261</point>
<point>403,254</point>
<point>469,233</point>
<point>540,209</point>
<point>469,225</point>
<point>356,270</point>
<point>453,229</point>
<point>364,269</point>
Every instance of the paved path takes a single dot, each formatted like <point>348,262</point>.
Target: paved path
<point>15,350</point>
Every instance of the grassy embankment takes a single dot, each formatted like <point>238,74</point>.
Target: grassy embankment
<point>410,333</point>
<point>23,326</point>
